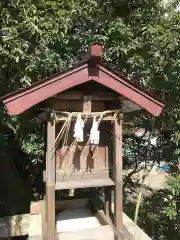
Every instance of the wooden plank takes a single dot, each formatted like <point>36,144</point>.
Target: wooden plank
<point>118,174</point>
<point>84,184</point>
<point>76,95</point>
<point>60,175</point>
<point>50,181</point>
<point>107,204</point>
<point>73,105</point>
<point>87,104</point>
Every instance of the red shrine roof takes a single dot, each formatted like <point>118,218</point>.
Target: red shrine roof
<point>89,70</point>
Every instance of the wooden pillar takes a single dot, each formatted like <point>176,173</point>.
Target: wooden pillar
<point>43,210</point>
<point>50,180</point>
<point>118,175</point>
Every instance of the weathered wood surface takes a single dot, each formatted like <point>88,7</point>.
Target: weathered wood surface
<point>81,175</point>
<point>84,184</point>
<point>87,104</point>
<point>71,158</point>
<point>50,182</point>
<point>100,96</point>
<point>14,225</point>
<point>118,175</point>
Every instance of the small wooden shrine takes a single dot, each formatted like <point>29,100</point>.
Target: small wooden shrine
<point>83,108</point>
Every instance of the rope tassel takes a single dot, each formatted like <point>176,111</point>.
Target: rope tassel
<point>78,129</point>
<point>94,133</point>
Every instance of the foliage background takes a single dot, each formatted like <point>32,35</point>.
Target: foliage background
<point>141,40</point>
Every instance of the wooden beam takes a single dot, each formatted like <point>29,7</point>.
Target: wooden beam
<point>84,183</point>
<point>118,174</point>
<point>105,118</point>
<point>50,180</point>
<point>81,175</point>
<point>77,95</point>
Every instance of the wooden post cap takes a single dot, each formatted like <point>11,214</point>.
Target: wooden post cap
<point>95,51</point>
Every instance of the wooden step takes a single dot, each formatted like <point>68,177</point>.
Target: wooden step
<point>84,183</point>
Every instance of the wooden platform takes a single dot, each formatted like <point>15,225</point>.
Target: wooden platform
<point>84,184</point>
